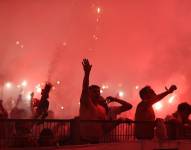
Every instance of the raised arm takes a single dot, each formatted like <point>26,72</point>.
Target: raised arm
<point>125,106</point>
<point>162,95</point>
<point>87,68</point>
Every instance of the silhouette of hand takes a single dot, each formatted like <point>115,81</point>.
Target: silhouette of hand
<point>172,88</point>
<point>110,99</point>
<point>86,65</point>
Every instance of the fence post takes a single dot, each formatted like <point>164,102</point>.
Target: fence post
<point>75,131</point>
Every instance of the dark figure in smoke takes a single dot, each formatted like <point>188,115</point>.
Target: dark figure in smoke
<point>90,108</point>
<point>178,124</point>
<point>3,111</point>
<point>3,115</point>
<point>18,112</point>
<point>42,108</point>
<point>145,113</point>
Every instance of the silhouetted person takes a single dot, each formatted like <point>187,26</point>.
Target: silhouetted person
<point>178,123</point>
<point>145,116</point>
<point>17,112</point>
<point>3,115</point>
<point>3,111</point>
<point>43,105</point>
<point>90,109</point>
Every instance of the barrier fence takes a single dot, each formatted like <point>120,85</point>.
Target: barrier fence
<point>52,132</point>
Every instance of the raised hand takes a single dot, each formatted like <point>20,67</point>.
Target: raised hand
<point>86,65</point>
<point>172,88</point>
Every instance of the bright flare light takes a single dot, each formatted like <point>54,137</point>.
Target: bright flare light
<point>24,83</point>
<point>62,107</point>
<point>38,90</point>
<point>8,85</point>
<point>101,91</point>
<point>157,106</point>
<point>28,96</point>
<point>121,93</point>
<point>171,99</point>
<point>105,87</point>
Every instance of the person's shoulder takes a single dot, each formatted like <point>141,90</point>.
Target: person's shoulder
<point>142,105</point>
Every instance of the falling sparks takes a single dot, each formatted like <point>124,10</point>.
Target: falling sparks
<point>158,106</point>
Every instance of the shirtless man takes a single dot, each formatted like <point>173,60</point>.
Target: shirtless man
<point>145,116</point>
<point>90,109</point>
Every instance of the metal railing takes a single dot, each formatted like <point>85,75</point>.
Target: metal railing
<point>31,132</point>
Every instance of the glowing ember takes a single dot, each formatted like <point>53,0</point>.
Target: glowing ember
<point>58,82</point>
<point>17,42</point>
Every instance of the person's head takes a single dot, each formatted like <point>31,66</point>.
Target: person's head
<point>184,109</point>
<point>147,93</point>
<point>94,92</point>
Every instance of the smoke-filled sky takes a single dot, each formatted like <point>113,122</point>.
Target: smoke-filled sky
<point>130,43</point>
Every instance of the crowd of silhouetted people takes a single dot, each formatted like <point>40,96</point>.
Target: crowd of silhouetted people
<point>95,107</point>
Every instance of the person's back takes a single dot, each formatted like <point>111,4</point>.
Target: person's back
<point>145,118</point>
<point>91,130</point>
